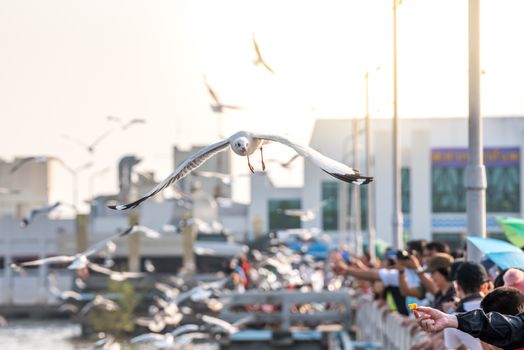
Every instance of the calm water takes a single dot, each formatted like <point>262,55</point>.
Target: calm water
<point>55,335</point>
<point>41,335</point>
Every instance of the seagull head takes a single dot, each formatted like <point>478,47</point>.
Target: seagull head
<point>240,145</point>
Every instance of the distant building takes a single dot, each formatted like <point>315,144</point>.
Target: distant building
<point>33,184</point>
<point>434,156</point>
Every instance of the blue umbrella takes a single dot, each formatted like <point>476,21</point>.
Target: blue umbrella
<point>502,253</point>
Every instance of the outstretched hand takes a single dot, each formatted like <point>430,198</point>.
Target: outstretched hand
<point>432,320</point>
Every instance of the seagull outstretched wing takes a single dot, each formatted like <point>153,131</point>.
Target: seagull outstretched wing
<point>33,212</point>
<point>330,166</point>
<point>218,106</point>
<point>193,162</point>
<point>259,59</point>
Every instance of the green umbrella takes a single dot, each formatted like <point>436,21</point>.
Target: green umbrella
<point>513,229</point>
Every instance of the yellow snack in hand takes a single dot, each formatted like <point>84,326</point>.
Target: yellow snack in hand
<point>412,306</point>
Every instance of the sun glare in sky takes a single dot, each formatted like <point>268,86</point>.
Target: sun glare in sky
<point>67,65</point>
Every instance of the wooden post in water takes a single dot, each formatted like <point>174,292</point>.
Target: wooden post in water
<point>81,232</point>
<point>188,238</point>
<point>133,242</point>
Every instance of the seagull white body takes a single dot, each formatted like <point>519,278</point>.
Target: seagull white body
<point>244,144</point>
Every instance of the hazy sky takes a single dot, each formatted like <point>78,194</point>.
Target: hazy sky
<point>65,65</point>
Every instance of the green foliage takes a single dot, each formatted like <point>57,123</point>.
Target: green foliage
<point>120,321</point>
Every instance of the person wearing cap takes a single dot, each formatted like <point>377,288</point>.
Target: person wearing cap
<point>439,267</point>
<point>471,284</point>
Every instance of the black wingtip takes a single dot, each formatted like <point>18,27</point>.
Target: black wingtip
<point>120,206</point>
<point>355,179</point>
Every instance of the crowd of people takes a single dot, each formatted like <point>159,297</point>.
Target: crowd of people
<point>452,295</point>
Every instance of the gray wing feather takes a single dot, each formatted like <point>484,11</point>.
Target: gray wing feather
<point>193,162</point>
<point>330,166</point>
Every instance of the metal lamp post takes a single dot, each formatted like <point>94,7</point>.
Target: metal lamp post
<point>475,180</point>
<point>397,198</point>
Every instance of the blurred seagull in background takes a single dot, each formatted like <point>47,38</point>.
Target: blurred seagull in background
<point>304,214</point>
<point>286,164</point>
<point>259,59</point>
<point>114,275</point>
<point>106,343</point>
<point>78,260</point>
<point>224,178</point>
<point>149,266</point>
<point>90,148</point>
<point>99,302</point>
<point>26,220</point>
<point>244,144</point>
<point>218,107</point>
<point>126,124</point>
<point>38,159</point>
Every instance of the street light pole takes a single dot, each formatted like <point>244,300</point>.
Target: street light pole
<point>370,187</point>
<point>475,170</point>
<point>355,207</point>
<point>397,198</point>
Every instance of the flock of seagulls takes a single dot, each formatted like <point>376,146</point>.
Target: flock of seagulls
<point>183,313</point>
<point>276,269</point>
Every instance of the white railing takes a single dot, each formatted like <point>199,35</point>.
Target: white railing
<point>376,323</point>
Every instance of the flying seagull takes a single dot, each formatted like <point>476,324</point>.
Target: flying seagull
<point>224,178</point>
<point>25,160</point>
<point>114,275</point>
<point>89,147</point>
<point>78,260</point>
<point>259,59</point>
<point>218,107</point>
<point>26,220</point>
<point>99,301</point>
<point>244,144</point>
<point>286,164</point>
<point>126,124</point>
<point>305,214</point>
